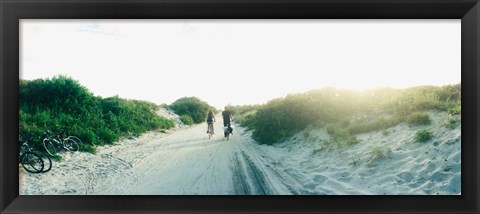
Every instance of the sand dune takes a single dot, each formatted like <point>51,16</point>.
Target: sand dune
<point>431,168</point>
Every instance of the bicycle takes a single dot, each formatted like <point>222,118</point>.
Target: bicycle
<point>32,161</point>
<point>227,131</point>
<point>210,130</point>
<point>51,144</point>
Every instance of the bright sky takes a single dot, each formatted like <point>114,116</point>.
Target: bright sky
<point>239,61</point>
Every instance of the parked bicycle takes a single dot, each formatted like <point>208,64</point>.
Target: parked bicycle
<point>51,143</point>
<point>33,161</point>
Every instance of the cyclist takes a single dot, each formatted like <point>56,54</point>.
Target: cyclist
<point>227,117</point>
<point>210,120</point>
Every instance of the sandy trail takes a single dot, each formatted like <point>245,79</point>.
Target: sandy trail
<point>183,162</point>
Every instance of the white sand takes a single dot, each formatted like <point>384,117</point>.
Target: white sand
<point>184,161</point>
<point>171,116</point>
<point>410,168</point>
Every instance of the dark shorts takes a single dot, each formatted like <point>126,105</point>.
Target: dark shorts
<point>226,123</point>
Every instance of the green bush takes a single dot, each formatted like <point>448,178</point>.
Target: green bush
<point>245,115</point>
<point>421,98</point>
<point>419,118</point>
<point>186,119</point>
<point>107,135</point>
<point>280,118</point>
<point>455,109</point>
<point>381,123</point>
<point>193,107</point>
<point>60,94</point>
<point>62,104</point>
<point>452,123</point>
<point>244,118</point>
<point>423,136</point>
<point>87,136</point>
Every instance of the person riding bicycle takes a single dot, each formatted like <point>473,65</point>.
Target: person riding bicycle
<point>227,118</point>
<point>210,120</point>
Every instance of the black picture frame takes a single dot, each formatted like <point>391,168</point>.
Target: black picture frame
<point>11,11</point>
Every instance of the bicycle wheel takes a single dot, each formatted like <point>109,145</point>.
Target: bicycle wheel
<point>226,133</point>
<point>47,161</point>
<point>210,131</point>
<point>32,162</point>
<point>70,145</point>
<point>49,146</point>
<point>76,139</point>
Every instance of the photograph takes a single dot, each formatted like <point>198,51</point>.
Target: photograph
<point>240,107</point>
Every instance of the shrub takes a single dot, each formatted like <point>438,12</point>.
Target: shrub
<point>455,109</point>
<point>87,148</point>
<point>58,94</point>
<point>87,136</point>
<point>452,123</point>
<point>107,135</point>
<point>423,136</point>
<point>419,118</point>
<point>422,98</point>
<point>186,119</point>
<point>162,123</point>
<point>62,104</point>
<point>280,118</point>
<point>307,136</point>
<point>244,118</point>
<point>381,123</point>
<point>341,137</point>
<point>379,152</point>
<point>193,107</point>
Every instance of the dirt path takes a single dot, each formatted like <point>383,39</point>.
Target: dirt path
<point>183,162</point>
